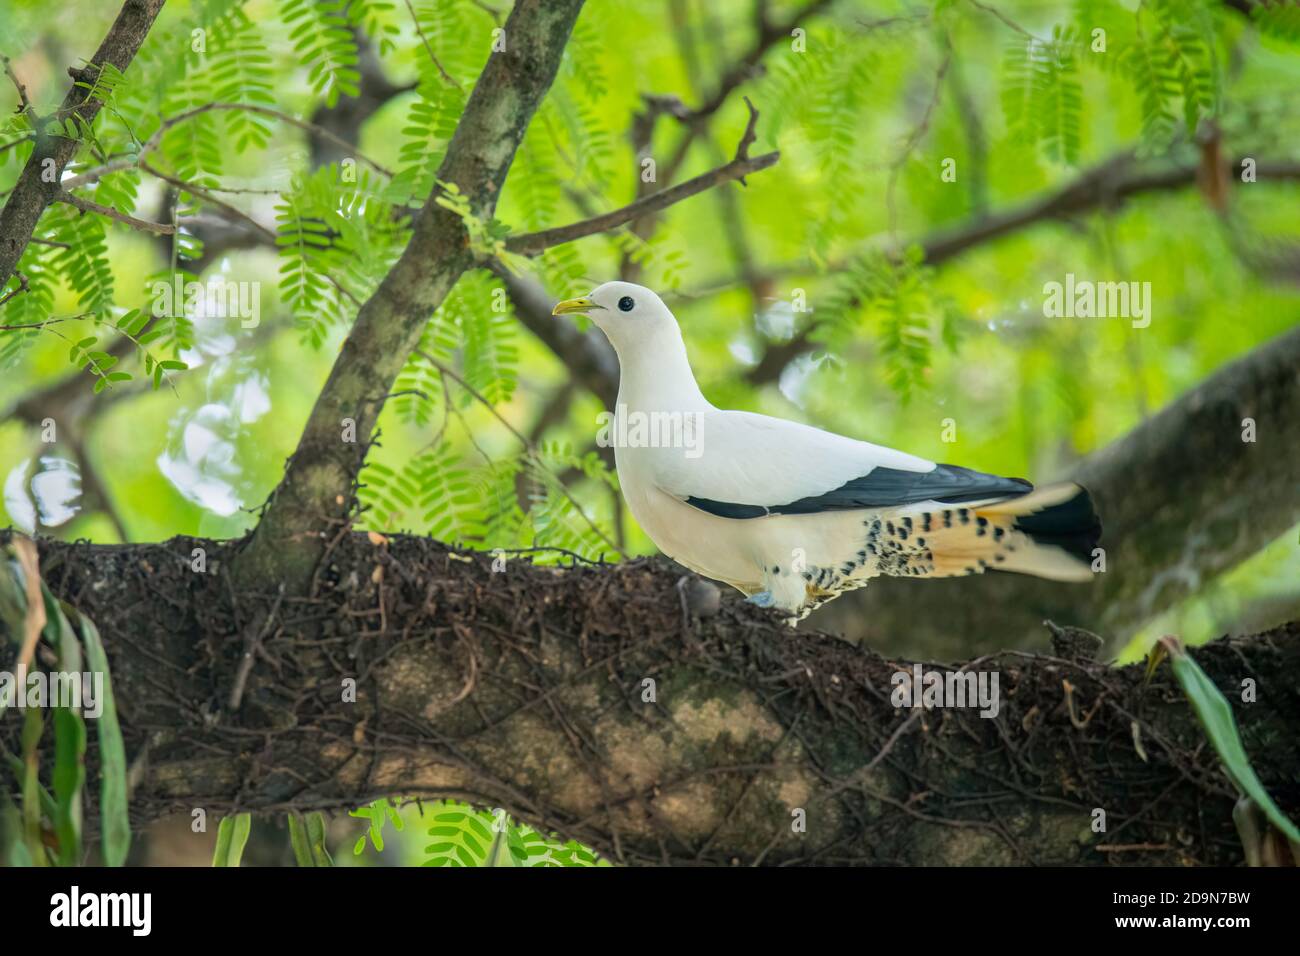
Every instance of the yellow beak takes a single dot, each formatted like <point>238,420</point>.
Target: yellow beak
<point>569,306</point>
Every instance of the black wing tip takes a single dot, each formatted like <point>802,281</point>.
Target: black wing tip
<point>1073,525</point>
<point>983,485</point>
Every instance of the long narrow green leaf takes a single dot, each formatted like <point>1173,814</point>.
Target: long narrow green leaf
<point>13,850</point>
<point>1215,715</point>
<point>114,822</point>
<point>33,726</point>
<point>298,840</point>
<point>316,839</point>
<point>69,778</point>
<point>232,836</point>
<point>69,781</point>
<point>307,836</point>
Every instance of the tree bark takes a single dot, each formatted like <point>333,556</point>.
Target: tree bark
<point>527,689</point>
<point>315,498</point>
<point>38,185</point>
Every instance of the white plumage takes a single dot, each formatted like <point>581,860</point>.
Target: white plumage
<point>793,515</point>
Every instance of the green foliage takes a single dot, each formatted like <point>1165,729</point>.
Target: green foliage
<point>1281,20</point>
<point>897,304</point>
<point>336,236</point>
<point>82,256</point>
<point>320,31</point>
<point>429,127</point>
<point>1216,717</point>
<point>555,519</point>
<point>433,491</point>
<point>463,836</point>
<point>1186,36</point>
<point>237,69</point>
<point>57,809</point>
<point>307,837</point>
<point>1041,94</point>
<point>232,836</point>
<point>379,813</point>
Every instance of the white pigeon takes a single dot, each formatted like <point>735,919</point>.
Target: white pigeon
<point>792,515</point>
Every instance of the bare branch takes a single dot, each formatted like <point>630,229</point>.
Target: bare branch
<point>24,103</point>
<point>17,290</point>
<point>138,160</point>
<point>88,205</point>
<point>533,243</point>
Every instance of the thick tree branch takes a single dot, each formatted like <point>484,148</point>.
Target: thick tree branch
<point>38,184</point>
<point>315,497</point>
<point>647,720</point>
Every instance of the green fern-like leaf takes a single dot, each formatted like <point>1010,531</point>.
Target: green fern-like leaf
<point>239,71</point>
<point>491,355</point>
<point>1042,99</point>
<point>1186,38</point>
<point>531,848</point>
<point>462,836</point>
<point>452,509</point>
<point>83,257</point>
<point>1145,66</point>
<point>321,35</point>
<point>1280,19</point>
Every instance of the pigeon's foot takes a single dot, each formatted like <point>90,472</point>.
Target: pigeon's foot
<point>762,599</point>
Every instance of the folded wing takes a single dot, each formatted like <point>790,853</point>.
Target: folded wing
<point>750,466</point>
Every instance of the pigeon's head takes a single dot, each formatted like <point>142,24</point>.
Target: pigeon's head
<point>628,314</point>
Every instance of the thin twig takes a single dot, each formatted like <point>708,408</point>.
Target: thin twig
<point>25,104</point>
<point>1003,17</point>
<point>22,287</point>
<point>429,49</point>
<point>251,643</point>
<point>89,205</point>
<point>153,142</point>
<point>533,243</point>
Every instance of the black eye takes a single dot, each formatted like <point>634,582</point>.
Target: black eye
<point>626,304</point>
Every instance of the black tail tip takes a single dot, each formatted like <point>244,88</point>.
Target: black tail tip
<point>1073,526</point>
